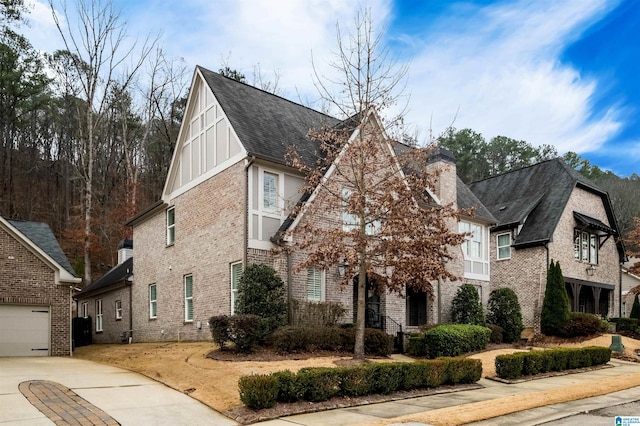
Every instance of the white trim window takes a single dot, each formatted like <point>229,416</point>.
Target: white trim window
<point>171,226</point>
<point>84,309</point>
<point>349,220</point>
<point>118,309</point>
<point>188,298</point>
<point>503,246</point>
<point>475,250</point>
<point>98,315</point>
<point>270,192</point>
<point>236,273</point>
<point>315,285</point>
<point>585,246</point>
<point>153,301</point>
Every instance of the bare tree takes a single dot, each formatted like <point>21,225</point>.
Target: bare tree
<point>101,58</point>
<point>370,207</point>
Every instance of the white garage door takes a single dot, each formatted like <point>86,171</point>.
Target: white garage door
<point>24,330</point>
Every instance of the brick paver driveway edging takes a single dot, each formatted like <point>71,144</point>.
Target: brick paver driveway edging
<point>62,405</point>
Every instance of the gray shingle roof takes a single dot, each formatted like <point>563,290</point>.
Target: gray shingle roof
<point>467,199</point>
<point>266,124</point>
<point>117,274</point>
<point>537,193</point>
<point>42,236</point>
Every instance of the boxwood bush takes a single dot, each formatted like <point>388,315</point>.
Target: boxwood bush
<point>625,324</point>
<point>309,339</point>
<point>319,384</point>
<point>581,324</point>
<point>529,363</point>
<point>449,340</point>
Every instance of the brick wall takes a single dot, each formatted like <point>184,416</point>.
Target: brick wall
<point>27,280</point>
<point>209,228</point>
<point>112,328</point>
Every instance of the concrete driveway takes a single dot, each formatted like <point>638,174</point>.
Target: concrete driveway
<point>126,397</point>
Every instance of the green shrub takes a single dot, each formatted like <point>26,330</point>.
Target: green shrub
<point>219,326</point>
<point>320,383</point>
<point>261,292</point>
<point>417,345</point>
<point>504,311</point>
<point>309,339</point>
<point>603,326</point>
<point>246,331</point>
<point>455,339</point>
<point>635,309</point>
<point>625,324</point>
<point>496,333</point>
<point>555,307</point>
<point>466,307</point>
<point>534,362</point>
<point>314,314</point>
<point>258,391</point>
<point>580,324</point>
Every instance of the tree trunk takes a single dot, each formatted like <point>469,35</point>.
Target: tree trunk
<point>358,350</point>
<point>88,199</point>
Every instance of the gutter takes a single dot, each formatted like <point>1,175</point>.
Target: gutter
<point>252,159</point>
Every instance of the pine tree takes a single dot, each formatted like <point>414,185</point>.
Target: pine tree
<point>555,308</point>
<point>635,310</point>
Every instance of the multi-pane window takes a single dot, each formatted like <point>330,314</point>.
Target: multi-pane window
<point>315,285</point>
<point>118,309</point>
<point>153,301</point>
<point>171,225</point>
<point>236,273</point>
<point>270,192</point>
<point>98,314</point>
<point>188,298</point>
<point>349,220</point>
<point>475,250</point>
<point>585,246</point>
<point>504,246</point>
<point>84,310</point>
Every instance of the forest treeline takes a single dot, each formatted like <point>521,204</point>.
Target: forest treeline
<point>87,134</point>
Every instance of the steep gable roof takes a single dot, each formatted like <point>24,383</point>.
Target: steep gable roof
<point>267,124</point>
<point>535,198</point>
<point>40,239</point>
<point>467,199</point>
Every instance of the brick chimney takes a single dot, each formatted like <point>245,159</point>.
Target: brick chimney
<point>443,161</point>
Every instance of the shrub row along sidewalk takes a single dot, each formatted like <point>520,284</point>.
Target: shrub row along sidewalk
<point>320,384</point>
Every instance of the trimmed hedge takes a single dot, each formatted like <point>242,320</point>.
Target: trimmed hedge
<point>581,324</point>
<point>319,384</point>
<point>449,340</point>
<point>529,363</point>
<point>625,324</point>
<point>309,339</point>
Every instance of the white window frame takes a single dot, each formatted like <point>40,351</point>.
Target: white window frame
<point>98,315</point>
<point>315,285</point>
<point>84,309</point>
<point>270,194</point>
<point>118,309</point>
<point>153,301</point>
<point>188,298</point>
<point>472,256</point>
<point>235,275</point>
<point>349,220</point>
<point>585,246</point>
<point>171,227</point>
<point>507,246</point>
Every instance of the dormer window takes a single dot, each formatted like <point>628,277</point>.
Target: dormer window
<point>585,246</point>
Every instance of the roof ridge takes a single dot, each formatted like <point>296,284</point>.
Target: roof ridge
<point>200,67</point>
<point>518,169</point>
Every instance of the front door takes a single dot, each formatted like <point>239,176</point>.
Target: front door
<point>373,315</point>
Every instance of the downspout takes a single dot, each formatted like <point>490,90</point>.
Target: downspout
<point>439,299</point>
<point>130,312</point>
<point>620,291</point>
<point>289,289</point>
<point>70,320</point>
<point>246,211</point>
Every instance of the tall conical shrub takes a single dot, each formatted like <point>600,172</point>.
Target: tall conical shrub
<point>504,311</point>
<point>555,308</point>
<point>635,310</point>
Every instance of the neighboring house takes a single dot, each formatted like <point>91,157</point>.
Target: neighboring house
<point>36,284</point>
<point>630,282</point>
<point>108,300</point>
<point>546,212</point>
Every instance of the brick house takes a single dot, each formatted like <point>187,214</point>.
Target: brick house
<point>107,301</point>
<point>35,291</point>
<point>550,211</point>
<point>228,191</point>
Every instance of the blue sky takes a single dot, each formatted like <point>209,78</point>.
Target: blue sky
<point>565,73</point>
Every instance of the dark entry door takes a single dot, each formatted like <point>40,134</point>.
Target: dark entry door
<point>373,316</point>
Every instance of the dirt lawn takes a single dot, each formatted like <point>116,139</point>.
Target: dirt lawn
<point>184,367</point>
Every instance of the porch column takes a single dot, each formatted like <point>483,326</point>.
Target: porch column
<point>575,288</point>
<point>596,296</point>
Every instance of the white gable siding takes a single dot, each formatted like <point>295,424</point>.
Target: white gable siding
<point>207,143</point>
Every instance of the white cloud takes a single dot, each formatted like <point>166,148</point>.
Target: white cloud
<point>498,72</point>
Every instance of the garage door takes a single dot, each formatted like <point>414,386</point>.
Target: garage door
<point>24,330</point>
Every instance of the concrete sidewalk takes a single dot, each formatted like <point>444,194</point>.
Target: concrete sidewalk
<point>129,398</point>
<point>384,413</point>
